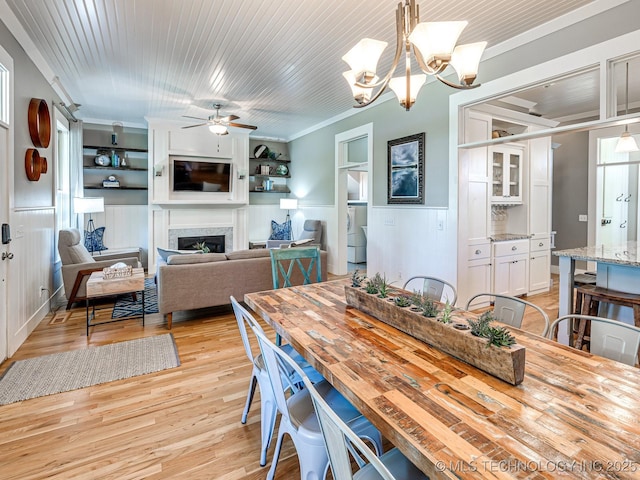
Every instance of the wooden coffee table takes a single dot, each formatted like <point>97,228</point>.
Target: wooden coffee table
<point>98,287</point>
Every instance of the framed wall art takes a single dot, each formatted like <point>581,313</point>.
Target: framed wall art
<point>405,157</point>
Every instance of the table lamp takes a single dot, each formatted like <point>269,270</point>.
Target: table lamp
<point>289,204</point>
<point>88,205</point>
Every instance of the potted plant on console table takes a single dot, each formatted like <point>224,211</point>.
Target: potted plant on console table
<point>455,332</point>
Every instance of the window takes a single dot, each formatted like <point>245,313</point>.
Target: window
<point>4,95</point>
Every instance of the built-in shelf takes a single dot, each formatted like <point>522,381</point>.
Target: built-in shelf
<point>270,160</point>
<point>96,167</point>
<point>115,147</point>
<point>98,187</point>
<point>271,176</point>
<point>281,189</point>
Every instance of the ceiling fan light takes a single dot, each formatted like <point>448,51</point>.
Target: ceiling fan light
<point>363,57</point>
<point>466,59</point>
<point>399,87</point>
<point>360,94</point>
<point>218,129</point>
<point>436,40</point>
<point>626,143</point>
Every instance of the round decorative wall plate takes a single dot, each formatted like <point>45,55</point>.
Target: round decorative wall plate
<point>261,151</point>
<point>33,164</point>
<point>39,122</point>
<point>282,170</point>
<point>103,161</point>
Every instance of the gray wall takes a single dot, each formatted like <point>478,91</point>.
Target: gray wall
<point>313,168</point>
<point>570,193</point>
<point>28,83</point>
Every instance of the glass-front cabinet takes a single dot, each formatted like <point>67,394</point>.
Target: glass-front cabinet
<point>506,174</point>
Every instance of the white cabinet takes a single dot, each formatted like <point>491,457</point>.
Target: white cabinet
<point>478,271</point>
<point>506,174</point>
<point>539,265</point>
<point>511,267</point>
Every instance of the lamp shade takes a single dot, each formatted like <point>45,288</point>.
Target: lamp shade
<point>361,94</point>
<point>218,129</point>
<point>364,56</point>
<point>399,87</point>
<point>436,39</point>
<point>466,59</point>
<point>88,204</point>
<point>288,204</point>
<point>626,143</point>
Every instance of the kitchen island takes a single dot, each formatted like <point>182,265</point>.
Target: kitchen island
<point>618,268</point>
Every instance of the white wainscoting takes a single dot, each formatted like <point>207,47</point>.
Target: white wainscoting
<point>125,227</point>
<point>31,268</point>
<point>403,242</point>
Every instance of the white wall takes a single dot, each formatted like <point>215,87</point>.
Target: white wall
<point>30,269</point>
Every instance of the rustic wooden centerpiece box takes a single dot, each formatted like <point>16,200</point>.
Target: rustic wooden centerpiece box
<point>506,363</point>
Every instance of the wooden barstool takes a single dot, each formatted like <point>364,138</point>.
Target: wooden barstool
<point>588,298</point>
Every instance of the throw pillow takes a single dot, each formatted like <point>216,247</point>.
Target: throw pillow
<point>165,252</point>
<point>280,231</point>
<point>188,259</point>
<point>93,240</point>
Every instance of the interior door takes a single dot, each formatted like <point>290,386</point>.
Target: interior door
<point>6,106</point>
<point>4,218</point>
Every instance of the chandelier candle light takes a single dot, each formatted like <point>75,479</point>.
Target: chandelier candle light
<point>434,47</point>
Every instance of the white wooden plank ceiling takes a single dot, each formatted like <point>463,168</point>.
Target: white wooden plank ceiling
<point>275,63</point>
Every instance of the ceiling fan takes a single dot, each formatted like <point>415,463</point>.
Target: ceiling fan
<point>218,124</point>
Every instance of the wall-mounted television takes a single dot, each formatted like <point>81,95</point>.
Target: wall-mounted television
<point>201,176</point>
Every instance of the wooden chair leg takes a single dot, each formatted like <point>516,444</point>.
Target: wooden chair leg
<point>169,320</point>
<point>582,325</point>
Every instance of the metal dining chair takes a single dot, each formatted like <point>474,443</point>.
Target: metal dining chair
<point>392,465</point>
<point>259,376</point>
<point>433,288</point>
<point>510,310</point>
<point>286,262</point>
<point>612,339</point>
<point>298,417</point>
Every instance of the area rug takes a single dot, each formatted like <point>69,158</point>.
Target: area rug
<point>126,307</point>
<point>61,372</point>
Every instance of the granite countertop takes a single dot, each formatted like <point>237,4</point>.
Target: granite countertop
<point>623,254</point>
<point>505,237</point>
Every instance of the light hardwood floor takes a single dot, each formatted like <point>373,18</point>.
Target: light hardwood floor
<point>182,423</point>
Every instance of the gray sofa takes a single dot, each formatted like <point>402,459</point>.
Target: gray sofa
<point>190,281</point>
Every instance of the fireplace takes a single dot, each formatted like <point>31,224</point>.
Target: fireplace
<point>215,243</point>
<point>222,234</point>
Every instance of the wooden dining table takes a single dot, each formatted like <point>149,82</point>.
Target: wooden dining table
<point>575,415</point>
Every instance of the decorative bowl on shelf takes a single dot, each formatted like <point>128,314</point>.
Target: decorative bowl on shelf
<point>102,161</point>
<point>282,170</point>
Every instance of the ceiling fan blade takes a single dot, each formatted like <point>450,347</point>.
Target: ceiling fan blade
<point>197,125</point>
<point>242,125</point>
<point>229,118</point>
<point>195,118</point>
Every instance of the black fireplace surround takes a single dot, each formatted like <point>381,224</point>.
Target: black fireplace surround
<point>215,243</point>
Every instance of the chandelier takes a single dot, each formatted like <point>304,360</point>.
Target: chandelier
<point>434,47</point>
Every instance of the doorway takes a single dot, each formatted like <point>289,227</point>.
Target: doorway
<point>354,153</point>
